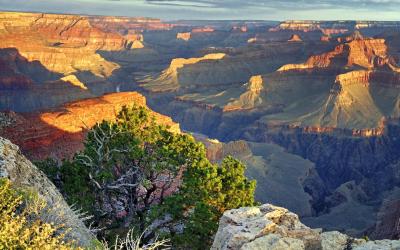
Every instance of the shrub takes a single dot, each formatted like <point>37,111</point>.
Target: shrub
<point>20,227</point>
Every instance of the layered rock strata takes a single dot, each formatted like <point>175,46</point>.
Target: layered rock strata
<point>62,43</point>
<point>60,132</point>
<point>270,227</point>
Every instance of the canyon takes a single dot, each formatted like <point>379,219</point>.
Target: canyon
<point>311,107</point>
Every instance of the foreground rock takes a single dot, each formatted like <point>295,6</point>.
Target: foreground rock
<point>23,174</point>
<point>270,227</point>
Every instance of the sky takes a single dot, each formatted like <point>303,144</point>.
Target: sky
<point>219,9</point>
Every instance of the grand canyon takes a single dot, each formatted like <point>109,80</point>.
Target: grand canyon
<point>312,108</point>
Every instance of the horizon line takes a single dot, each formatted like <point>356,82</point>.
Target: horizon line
<point>181,20</point>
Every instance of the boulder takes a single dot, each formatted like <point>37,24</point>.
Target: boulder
<point>276,228</point>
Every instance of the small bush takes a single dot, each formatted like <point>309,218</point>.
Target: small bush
<point>20,226</point>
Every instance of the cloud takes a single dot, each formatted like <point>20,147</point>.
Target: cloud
<point>218,9</point>
<point>285,4</point>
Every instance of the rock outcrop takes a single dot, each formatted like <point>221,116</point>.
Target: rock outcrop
<point>295,38</point>
<point>23,174</point>
<point>184,36</point>
<point>251,98</point>
<point>270,227</point>
<point>169,78</point>
<point>60,132</point>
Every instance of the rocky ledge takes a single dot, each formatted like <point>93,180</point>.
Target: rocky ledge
<point>271,227</point>
<point>23,174</point>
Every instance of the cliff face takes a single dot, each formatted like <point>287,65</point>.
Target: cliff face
<point>184,36</point>
<point>366,53</point>
<point>251,98</point>
<point>333,27</point>
<point>123,24</point>
<point>18,73</point>
<point>171,80</point>
<point>271,227</point>
<point>344,83</point>
<point>388,218</point>
<point>27,86</point>
<point>62,43</point>
<point>60,132</point>
<point>23,174</point>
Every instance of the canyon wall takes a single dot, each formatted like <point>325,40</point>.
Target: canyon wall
<point>62,43</point>
<point>59,133</point>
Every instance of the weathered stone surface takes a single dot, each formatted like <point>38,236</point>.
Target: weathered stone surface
<point>60,132</point>
<point>270,227</point>
<point>334,240</point>
<point>274,242</point>
<point>183,36</point>
<point>22,173</point>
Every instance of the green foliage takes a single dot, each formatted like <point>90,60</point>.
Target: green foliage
<point>20,225</point>
<point>206,192</point>
<point>71,179</point>
<point>137,161</point>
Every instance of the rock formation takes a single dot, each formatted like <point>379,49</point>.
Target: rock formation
<point>295,38</point>
<point>137,45</point>
<point>183,36</point>
<point>23,174</point>
<point>74,81</point>
<point>273,228</point>
<point>203,30</point>
<point>122,24</point>
<point>60,132</point>
<point>27,86</point>
<point>251,98</point>
<point>62,43</point>
<point>169,78</point>
<point>388,219</point>
<point>134,40</point>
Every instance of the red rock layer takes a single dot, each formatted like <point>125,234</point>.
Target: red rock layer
<point>329,32</point>
<point>62,43</point>
<point>60,132</point>
<point>367,53</point>
<point>122,24</point>
<point>203,30</point>
<point>295,38</point>
<point>184,36</point>
<point>363,52</point>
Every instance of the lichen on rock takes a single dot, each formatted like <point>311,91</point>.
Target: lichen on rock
<point>276,228</point>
